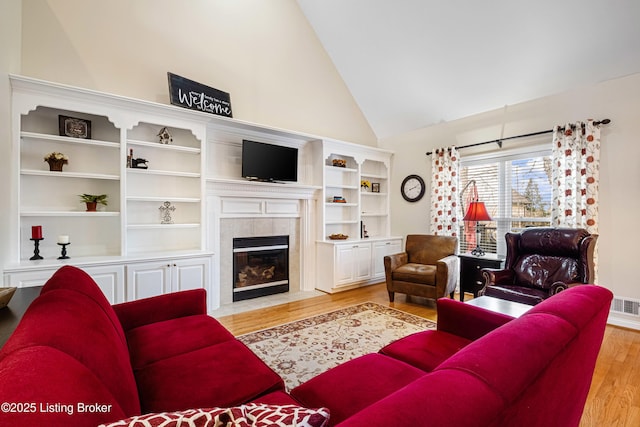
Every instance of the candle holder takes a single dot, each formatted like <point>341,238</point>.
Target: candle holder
<point>36,249</point>
<point>63,253</point>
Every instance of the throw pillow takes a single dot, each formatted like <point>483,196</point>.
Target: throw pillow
<point>249,415</point>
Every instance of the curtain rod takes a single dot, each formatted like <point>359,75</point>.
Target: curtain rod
<point>501,140</point>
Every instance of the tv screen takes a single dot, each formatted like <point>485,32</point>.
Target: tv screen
<point>269,162</point>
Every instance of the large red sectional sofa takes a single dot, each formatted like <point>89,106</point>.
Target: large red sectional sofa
<point>73,349</point>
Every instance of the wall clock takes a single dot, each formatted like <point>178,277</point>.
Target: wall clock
<point>412,188</point>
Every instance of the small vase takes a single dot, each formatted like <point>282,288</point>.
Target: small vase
<point>55,165</point>
<point>91,206</point>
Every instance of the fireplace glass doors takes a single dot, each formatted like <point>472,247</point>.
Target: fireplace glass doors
<point>260,266</point>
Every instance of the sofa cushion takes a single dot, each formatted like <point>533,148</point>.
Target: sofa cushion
<point>425,350</point>
<point>416,273</point>
<point>59,386</point>
<point>157,341</point>
<point>224,374</point>
<point>356,384</point>
<point>250,415</point>
<point>278,397</point>
<point>75,324</point>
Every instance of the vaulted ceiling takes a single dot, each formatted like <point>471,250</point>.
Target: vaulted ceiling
<point>414,63</point>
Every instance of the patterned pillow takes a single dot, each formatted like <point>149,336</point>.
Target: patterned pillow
<point>249,415</point>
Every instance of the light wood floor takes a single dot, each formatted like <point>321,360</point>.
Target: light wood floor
<point>614,399</point>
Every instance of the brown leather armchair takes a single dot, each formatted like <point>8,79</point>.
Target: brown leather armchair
<point>427,268</point>
<point>540,263</point>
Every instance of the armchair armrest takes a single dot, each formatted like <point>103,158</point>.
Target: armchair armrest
<point>162,307</point>
<point>494,276</point>
<point>447,274</point>
<point>467,321</point>
<point>393,261</point>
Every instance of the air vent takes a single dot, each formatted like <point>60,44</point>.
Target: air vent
<point>626,306</point>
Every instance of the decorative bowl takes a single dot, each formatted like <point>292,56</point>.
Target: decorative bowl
<point>5,296</point>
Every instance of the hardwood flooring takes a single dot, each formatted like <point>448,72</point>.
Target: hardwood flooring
<point>614,398</point>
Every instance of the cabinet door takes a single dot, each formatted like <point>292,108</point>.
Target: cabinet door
<point>190,274</point>
<point>344,264</point>
<point>147,279</point>
<point>380,250</point>
<point>363,261</point>
<point>110,280</point>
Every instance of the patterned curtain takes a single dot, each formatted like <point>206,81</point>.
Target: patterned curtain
<point>576,157</point>
<point>445,209</point>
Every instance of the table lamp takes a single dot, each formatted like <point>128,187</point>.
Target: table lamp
<point>477,212</point>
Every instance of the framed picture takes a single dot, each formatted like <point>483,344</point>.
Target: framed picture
<point>375,187</point>
<point>74,127</point>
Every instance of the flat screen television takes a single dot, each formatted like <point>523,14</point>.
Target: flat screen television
<point>269,162</point>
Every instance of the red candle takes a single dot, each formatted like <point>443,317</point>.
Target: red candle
<point>36,232</point>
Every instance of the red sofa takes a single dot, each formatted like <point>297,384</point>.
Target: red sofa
<point>72,350</point>
<point>159,354</point>
<point>477,369</point>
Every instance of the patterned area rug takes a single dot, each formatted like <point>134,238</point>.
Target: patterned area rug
<point>300,350</point>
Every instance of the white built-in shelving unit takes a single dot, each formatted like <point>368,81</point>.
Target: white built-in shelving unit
<point>126,245</point>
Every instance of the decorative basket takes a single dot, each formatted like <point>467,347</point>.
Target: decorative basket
<point>339,236</point>
<point>56,164</point>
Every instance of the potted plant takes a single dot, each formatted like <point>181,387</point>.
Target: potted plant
<point>56,160</point>
<point>92,201</point>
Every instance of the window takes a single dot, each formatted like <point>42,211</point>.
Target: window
<point>515,186</point>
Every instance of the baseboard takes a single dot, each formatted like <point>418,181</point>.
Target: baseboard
<point>624,321</point>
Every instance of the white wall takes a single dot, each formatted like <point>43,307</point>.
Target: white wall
<point>10,24</point>
<point>618,100</point>
<point>264,53</point>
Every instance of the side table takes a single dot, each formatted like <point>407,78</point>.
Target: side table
<point>471,266</point>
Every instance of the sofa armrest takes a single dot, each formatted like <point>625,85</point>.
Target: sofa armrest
<point>161,307</point>
<point>467,321</point>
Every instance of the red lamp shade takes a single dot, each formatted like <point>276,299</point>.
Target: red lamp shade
<point>477,212</point>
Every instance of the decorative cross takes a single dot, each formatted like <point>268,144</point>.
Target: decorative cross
<point>165,213</point>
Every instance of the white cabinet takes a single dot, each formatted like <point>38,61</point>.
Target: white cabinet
<point>352,263</point>
<point>109,277</point>
<point>348,264</point>
<point>380,250</point>
<point>147,279</point>
<point>354,223</point>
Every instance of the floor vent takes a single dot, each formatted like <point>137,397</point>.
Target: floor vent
<point>626,306</point>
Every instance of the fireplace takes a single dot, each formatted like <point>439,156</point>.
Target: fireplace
<point>260,266</point>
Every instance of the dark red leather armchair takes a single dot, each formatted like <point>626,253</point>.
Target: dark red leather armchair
<point>540,263</point>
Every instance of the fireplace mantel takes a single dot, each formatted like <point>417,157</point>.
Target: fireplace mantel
<point>257,189</point>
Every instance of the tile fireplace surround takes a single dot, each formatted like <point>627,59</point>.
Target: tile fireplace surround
<point>256,209</point>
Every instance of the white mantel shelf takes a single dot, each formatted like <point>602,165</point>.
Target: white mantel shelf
<point>247,188</point>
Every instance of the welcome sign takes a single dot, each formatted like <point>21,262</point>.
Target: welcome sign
<point>195,96</point>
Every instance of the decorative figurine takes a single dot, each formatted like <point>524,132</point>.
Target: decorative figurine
<point>164,136</point>
<point>139,163</point>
